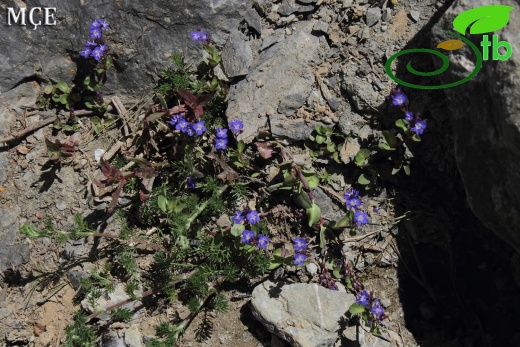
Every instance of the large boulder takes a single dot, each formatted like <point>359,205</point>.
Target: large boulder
<point>486,123</point>
<point>143,34</point>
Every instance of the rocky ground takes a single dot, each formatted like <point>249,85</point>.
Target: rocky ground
<point>444,279</point>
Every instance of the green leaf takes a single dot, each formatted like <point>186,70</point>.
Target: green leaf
<point>86,81</point>
<point>395,170</point>
<point>402,124</point>
<point>323,130</point>
<point>237,229</point>
<point>178,208</point>
<point>312,179</point>
<point>331,147</point>
<point>390,138</point>
<point>416,138</point>
<point>356,308</point>
<point>63,99</point>
<point>323,240</point>
<point>161,202</point>
<point>320,139</point>
<point>63,87</point>
<point>314,214</point>
<point>183,242</point>
<point>302,199</point>
<point>48,89</point>
<point>406,169</point>
<point>483,19</point>
<point>55,97</point>
<point>240,147</point>
<point>363,180</point>
<point>29,230</point>
<point>95,120</point>
<point>361,157</point>
<point>336,273</point>
<point>385,146</point>
<point>109,62</point>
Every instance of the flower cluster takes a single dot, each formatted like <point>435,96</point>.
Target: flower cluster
<point>186,127</point>
<point>300,247</point>
<point>415,123</point>
<point>353,202</point>
<point>198,35</point>
<point>249,237</point>
<point>251,216</point>
<point>95,47</point>
<point>368,300</point>
<point>221,141</point>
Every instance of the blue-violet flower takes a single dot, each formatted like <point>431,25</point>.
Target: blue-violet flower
<point>247,236</point>
<point>262,241</point>
<point>363,298</point>
<point>361,218</point>
<point>300,244</point>
<point>253,217</point>
<point>419,127</point>
<point>236,125</point>
<point>95,33</point>
<point>191,183</point>
<point>85,53</point>
<point>238,217</point>
<point>221,133</point>
<point>199,127</point>
<point>221,143</point>
<point>299,258</point>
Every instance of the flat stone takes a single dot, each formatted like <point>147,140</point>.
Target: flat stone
<point>415,15</point>
<point>303,314</point>
<point>289,7</point>
<point>321,27</point>
<point>291,129</point>
<point>237,55</point>
<point>13,255</point>
<point>133,337</point>
<point>373,16</point>
<point>253,19</point>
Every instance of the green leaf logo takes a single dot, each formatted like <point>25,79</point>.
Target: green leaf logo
<point>484,19</point>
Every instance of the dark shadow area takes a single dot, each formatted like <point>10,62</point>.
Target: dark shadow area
<point>456,280</point>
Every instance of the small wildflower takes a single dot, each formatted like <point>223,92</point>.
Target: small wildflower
<point>262,241</point>
<point>237,218</point>
<point>104,24</point>
<point>419,127</point>
<point>221,133</point>
<point>95,33</point>
<point>252,217</point>
<point>199,127</point>
<point>361,218</point>
<point>300,244</point>
<point>236,125</point>
<point>408,116</point>
<point>363,298</point>
<point>97,53</point>
<point>299,258</point>
<point>191,183</point>
<point>103,48</point>
<point>352,193</point>
<point>353,203</point>
<point>247,236</point>
<point>182,125</point>
<point>400,99</point>
<point>221,143</point>
<point>91,44</point>
<point>176,118</point>
<point>190,131</point>
<point>197,35</point>
<point>377,309</point>
<point>85,53</point>
<point>95,24</point>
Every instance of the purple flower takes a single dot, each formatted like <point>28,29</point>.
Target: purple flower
<point>176,118</point>
<point>262,241</point>
<point>352,193</point>
<point>197,35</point>
<point>300,244</point>
<point>408,116</point>
<point>91,44</point>
<point>85,53</point>
<point>353,203</point>
<point>361,218</point>
<point>419,127</point>
<point>97,53</point>
<point>221,133</point>
<point>237,218</point>
<point>377,309</point>
<point>103,24</point>
<point>191,183</point>
<point>190,131</point>
<point>103,48</point>
<point>299,258</point>
<point>400,99</point>
<point>363,298</point>
<point>199,127</point>
<point>247,235</point>
<point>252,217</point>
<point>95,33</point>
<point>182,125</point>
<point>236,125</point>
<point>95,24</point>
<point>221,143</point>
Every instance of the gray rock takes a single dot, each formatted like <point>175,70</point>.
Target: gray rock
<point>311,268</point>
<point>268,41</point>
<point>329,210</point>
<point>308,1</point>
<point>118,295</point>
<point>485,114</point>
<point>111,339</point>
<point>291,129</point>
<point>236,55</point>
<point>133,337</point>
<point>13,255</point>
<point>387,14</point>
<point>333,104</point>
<point>61,205</point>
<point>373,16</point>
<point>24,95</point>
<point>142,34</point>
<point>347,3</point>
<point>415,15</point>
<point>8,224</point>
<point>303,314</point>
<point>349,121</point>
<point>321,27</point>
<point>289,7</point>
<point>253,19</point>
<point>75,277</point>
<point>362,95</point>
<point>357,337</point>
<point>285,75</point>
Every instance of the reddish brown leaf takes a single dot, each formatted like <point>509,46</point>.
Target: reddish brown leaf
<point>110,172</point>
<point>265,149</point>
